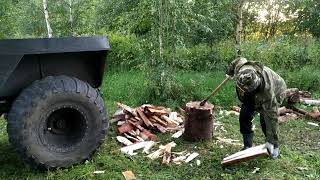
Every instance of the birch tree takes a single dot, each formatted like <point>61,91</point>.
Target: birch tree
<point>239,28</point>
<point>46,16</point>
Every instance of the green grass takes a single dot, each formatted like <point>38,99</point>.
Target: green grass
<point>300,142</point>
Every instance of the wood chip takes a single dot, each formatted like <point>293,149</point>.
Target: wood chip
<point>148,147</point>
<point>131,148</point>
<point>98,172</point>
<point>160,151</point>
<point>191,157</point>
<point>167,155</point>
<point>128,175</point>
<point>178,134</point>
<point>313,124</point>
<point>124,140</point>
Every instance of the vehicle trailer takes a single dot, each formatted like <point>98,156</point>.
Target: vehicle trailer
<point>49,93</point>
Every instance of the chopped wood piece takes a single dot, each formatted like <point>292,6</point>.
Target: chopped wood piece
<point>174,129</point>
<point>128,175</point>
<point>161,122</point>
<point>120,123</point>
<point>160,128</point>
<point>313,124</point>
<point>229,141</point>
<point>144,118</point>
<point>198,162</point>
<point>127,127</point>
<point>148,147</point>
<point>311,102</point>
<point>145,134</point>
<point>131,137</point>
<point>191,157</point>
<point>178,134</point>
<point>127,108</point>
<point>171,122</point>
<point>124,140</point>
<point>167,155</point>
<point>160,151</point>
<point>246,155</point>
<point>98,172</point>
<point>179,159</point>
<point>131,148</point>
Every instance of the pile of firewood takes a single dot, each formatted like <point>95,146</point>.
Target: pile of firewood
<point>138,124</point>
<point>136,127</point>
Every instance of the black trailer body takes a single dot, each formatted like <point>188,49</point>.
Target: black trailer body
<point>24,61</point>
<point>49,89</point>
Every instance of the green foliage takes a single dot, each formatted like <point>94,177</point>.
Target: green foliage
<point>126,51</point>
<point>305,78</point>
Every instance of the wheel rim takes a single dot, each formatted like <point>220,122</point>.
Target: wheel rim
<point>64,128</point>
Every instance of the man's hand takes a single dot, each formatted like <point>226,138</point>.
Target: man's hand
<point>274,152</point>
<point>230,70</point>
<point>270,147</point>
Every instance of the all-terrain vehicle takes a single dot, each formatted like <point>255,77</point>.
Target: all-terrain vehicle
<point>49,94</point>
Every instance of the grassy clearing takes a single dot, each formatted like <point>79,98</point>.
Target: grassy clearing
<point>300,141</point>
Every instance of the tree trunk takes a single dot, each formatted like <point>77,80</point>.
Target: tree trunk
<point>71,18</point>
<point>161,11</point>
<point>46,15</point>
<point>239,21</point>
<point>174,44</point>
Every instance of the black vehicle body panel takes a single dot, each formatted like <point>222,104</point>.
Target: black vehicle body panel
<point>24,61</point>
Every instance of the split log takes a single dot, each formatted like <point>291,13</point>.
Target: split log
<point>145,134</point>
<point>124,140</point>
<point>246,155</point>
<point>199,121</point>
<point>127,127</point>
<point>144,118</point>
<point>160,128</point>
<point>311,102</point>
<point>127,109</point>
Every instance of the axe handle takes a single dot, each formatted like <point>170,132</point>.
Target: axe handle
<point>216,90</point>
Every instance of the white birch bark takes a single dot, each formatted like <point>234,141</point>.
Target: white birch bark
<point>71,17</point>
<point>239,29</point>
<point>46,15</point>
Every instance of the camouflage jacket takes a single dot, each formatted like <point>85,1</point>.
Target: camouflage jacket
<point>266,98</point>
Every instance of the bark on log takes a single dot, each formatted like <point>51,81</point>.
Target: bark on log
<point>199,122</point>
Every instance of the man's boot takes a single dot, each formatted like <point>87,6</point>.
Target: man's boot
<point>247,141</point>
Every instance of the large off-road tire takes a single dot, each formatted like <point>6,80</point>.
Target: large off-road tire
<point>57,122</point>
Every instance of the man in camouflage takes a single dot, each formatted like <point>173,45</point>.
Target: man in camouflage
<point>261,90</point>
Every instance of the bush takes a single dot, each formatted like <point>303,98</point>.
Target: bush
<point>305,78</point>
<point>126,51</point>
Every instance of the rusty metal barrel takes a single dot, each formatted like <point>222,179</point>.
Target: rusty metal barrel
<point>199,122</point>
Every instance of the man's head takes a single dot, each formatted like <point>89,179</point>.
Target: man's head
<point>248,79</point>
<point>235,65</point>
